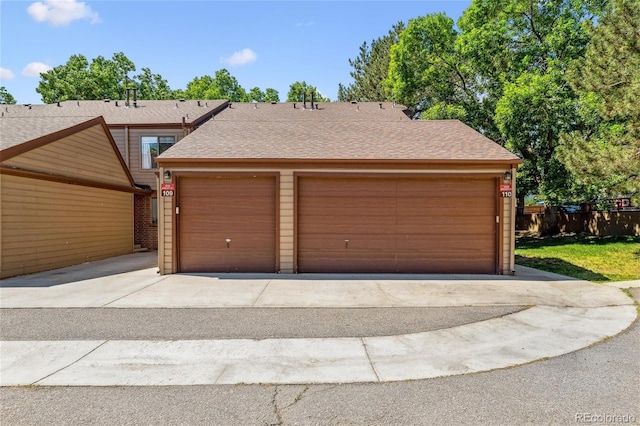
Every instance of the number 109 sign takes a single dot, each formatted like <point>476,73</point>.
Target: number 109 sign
<point>168,189</point>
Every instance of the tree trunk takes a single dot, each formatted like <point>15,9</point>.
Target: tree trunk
<point>520,204</point>
<point>550,222</point>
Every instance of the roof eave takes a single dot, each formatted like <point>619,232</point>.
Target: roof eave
<point>169,161</point>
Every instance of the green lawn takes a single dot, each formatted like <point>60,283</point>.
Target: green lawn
<point>597,259</point>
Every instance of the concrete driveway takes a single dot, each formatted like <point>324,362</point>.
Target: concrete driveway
<point>558,315</point>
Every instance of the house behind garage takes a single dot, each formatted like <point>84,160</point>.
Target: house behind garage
<point>335,187</point>
<point>141,129</point>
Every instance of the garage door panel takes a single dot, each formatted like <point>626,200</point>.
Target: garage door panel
<point>202,261</point>
<point>234,224</point>
<point>464,245</point>
<point>362,186</point>
<point>435,265</point>
<point>361,264</point>
<point>225,186</point>
<point>350,225</point>
<point>343,230</point>
<point>438,208</point>
<point>247,242</point>
<point>407,225</point>
<point>370,242</point>
<point>449,227</point>
<point>257,206</point>
<point>241,208</point>
<point>444,187</point>
<point>334,205</point>
<point>443,232</point>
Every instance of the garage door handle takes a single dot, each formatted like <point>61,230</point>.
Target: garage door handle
<point>228,241</point>
<point>346,243</point>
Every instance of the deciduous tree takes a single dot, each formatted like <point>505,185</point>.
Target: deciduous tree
<point>519,50</point>
<point>222,86</point>
<point>297,89</point>
<point>429,73</point>
<point>269,95</point>
<point>101,78</point>
<point>153,86</point>
<point>6,97</point>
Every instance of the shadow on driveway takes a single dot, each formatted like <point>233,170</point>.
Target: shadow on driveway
<point>85,271</point>
<point>522,274</point>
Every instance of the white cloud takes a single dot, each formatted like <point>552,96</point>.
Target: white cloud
<point>61,12</point>
<point>6,74</point>
<point>242,57</point>
<point>35,68</point>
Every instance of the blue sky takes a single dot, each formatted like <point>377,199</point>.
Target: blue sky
<point>261,43</point>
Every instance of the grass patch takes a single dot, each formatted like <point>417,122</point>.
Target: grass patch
<point>587,257</point>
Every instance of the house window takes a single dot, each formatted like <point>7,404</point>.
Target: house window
<point>152,146</point>
<point>154,210</point>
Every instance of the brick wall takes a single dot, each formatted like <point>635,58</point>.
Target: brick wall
<point>145,232</point>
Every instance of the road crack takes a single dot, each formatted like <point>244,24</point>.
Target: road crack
<point>276,409</point>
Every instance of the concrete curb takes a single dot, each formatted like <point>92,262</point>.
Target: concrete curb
<point>567,315</point>
<point>520,338</point>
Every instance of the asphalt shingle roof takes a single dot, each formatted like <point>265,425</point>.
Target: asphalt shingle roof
<point>116,113</point>
<point>249,133</point>
<point>18,130</point>
<point>336,111</point>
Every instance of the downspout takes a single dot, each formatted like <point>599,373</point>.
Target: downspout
<point>126,147</point>
<point>512,260</point>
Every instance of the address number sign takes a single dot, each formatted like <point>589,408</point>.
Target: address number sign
<point>168,189</point>
<point>506,191</point>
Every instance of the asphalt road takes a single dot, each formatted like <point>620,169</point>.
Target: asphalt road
<point>229,323</point>
<point>595,385</point>
<point>603,380</point>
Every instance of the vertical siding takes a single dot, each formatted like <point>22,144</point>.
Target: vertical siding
<point>286,222</point>
<point>87,154</point>
<point>47,225</point>
<point>146,177</point>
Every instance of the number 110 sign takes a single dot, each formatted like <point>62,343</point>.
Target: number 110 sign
<point>506,191</point>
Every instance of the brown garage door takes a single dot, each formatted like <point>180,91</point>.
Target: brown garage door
<point>238,208</point>
<point>399,224</point>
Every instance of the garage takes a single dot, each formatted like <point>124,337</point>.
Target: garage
<point>227,223</point>
<point>66,196</point>
<point>416,224</point>
<point>338,188</point>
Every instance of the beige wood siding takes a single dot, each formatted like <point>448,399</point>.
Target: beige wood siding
<point>146,177</point>
<point>47,225</point>
<point>87,154</point>
<point>507,224</point>
<point>118,135</point>
<point>286,222</point>
<point>165,244</point>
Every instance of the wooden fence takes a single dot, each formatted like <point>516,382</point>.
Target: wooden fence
<point>596,223</point>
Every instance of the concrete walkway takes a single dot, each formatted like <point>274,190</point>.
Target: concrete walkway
<point>563,315</point>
